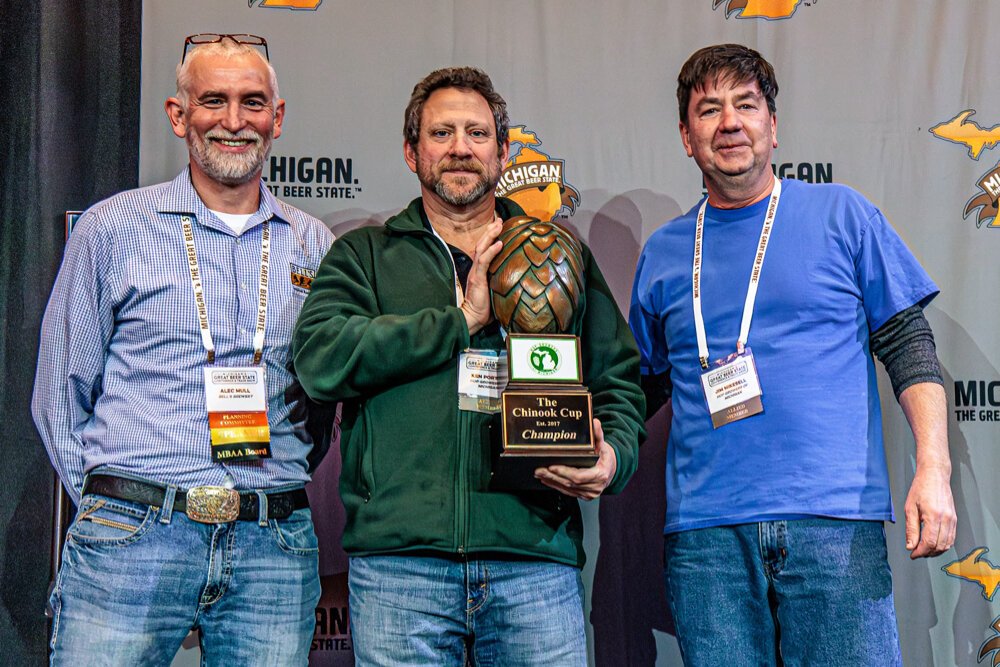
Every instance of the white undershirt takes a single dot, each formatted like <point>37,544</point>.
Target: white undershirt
<point>235,221</point>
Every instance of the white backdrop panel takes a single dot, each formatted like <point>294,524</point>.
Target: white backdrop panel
<point>862,82</point>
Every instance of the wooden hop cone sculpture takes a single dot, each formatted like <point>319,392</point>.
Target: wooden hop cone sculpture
<point>537,279</point>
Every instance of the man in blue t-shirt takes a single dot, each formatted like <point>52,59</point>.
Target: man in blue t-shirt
<point>757,313</point>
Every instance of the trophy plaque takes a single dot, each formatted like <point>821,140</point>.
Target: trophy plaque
<point>537,292</point>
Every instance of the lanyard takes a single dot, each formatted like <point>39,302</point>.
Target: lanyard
<point>199,291</point>
<point>459,292</point>
<point>699,234</point>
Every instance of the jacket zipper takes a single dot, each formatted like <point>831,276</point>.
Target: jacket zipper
<point>461,491</point>
<point>461,488</point>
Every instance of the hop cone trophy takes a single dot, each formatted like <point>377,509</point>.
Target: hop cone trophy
<point>537,279</point>
<point>537,291</point>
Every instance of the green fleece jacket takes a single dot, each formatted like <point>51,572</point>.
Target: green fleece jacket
<point>380,332</point>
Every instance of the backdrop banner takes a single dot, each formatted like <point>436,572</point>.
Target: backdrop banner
<point>887,97</point>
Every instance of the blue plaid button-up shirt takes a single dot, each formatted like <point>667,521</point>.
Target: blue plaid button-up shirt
<point>120,383</point>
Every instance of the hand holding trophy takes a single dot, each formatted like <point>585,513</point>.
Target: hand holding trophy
<point>537,292</point>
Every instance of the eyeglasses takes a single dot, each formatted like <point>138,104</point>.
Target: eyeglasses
<point>212,38</point>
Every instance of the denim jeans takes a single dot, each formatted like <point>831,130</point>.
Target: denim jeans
<point>136,579</point>
<point>411,610</point>
<point>798,592</point>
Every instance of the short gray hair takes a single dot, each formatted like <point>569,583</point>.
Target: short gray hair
<point>227,48</point>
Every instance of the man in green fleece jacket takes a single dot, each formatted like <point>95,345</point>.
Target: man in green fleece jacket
<point>443,568</point>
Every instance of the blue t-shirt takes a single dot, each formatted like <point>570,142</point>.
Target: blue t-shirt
<point>834,271</point>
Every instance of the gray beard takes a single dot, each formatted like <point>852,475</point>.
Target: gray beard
<point>225,168</point>
<point>486,182</point>
<point>459,198</point>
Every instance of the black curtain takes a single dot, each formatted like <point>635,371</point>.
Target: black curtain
<point>69,90</point>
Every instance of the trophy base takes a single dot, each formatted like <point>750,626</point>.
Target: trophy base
<point>543,426</point>
<point>516,471</point>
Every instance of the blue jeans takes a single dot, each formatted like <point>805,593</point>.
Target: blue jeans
<point>802,592</point>
<point>410,610</point>
<point>136,579</point>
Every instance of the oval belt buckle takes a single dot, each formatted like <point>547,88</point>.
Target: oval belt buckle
<point>213,504</point>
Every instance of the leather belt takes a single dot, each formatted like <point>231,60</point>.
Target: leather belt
<point>206,504</point>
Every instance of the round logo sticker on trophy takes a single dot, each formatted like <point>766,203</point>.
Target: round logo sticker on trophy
<point>537,291</point>
<point>544,359</point>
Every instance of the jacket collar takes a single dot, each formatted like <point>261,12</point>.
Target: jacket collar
<point>411,219</point>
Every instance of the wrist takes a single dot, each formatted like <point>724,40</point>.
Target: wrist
<point>935,468</point>
<point>471,321</point>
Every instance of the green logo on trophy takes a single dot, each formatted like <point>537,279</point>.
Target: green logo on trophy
<point>537,293</point>
<point>544,359</point>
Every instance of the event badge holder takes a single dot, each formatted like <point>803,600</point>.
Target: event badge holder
<point>731,385</point>
<point>235,396</point>
<point>482,376</point>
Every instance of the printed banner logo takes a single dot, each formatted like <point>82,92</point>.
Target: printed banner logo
<point>807,172</point>
<point>961,130</point>
<point>761,9</point>
<point>310,5</point>
<point>975,568</point>
<point>977,401</point>
<point>810,172</point>
<point>534,180</point>
<point>968,133</point>
<point>986,202</point>
<point>992,645</point>
<point>332,640</point>
<point>307,176</point>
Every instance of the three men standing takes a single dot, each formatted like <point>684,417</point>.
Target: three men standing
<point>173,298</point>
<point>161,395</point>
<point>758,312</point>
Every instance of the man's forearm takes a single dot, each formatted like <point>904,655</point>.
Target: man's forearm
<point>926,410</point>
<point>931,521</point>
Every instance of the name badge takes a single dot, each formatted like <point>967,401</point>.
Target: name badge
<point>732,388</point>
<point>482,377</point>
<point>237,413</point>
